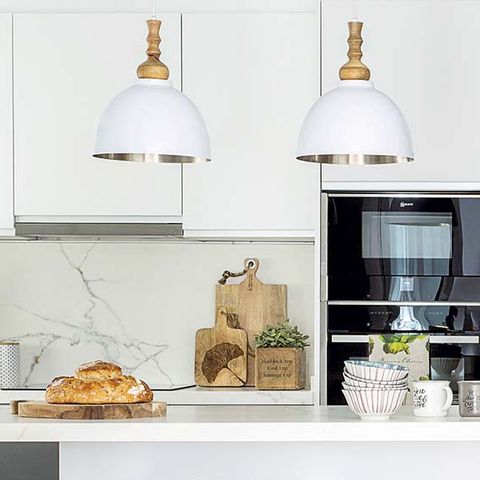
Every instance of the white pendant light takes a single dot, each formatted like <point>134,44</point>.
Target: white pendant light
<point>355,124</point>
<point>152,121</point>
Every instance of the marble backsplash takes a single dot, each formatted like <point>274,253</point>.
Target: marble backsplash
<point>138,304</point>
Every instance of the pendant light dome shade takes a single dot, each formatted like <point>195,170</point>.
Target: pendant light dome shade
<point>152,121</point>
<point>355,124</point>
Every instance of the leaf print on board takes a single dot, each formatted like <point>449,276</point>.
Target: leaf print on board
<point>218,358</point>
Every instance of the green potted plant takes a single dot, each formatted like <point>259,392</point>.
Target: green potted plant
<point>280,362</point>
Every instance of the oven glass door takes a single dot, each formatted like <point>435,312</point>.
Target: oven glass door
<point>454,339</point>
<point>403,248</point>
<point>451,358</point>
<point>407,243</point>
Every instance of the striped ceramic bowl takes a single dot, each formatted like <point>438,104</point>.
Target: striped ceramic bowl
<point>376,371</point>
<point>359,382</point>
<point>346,386</point>
<point>375,404</point>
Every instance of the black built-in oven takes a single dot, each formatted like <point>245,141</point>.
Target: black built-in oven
<point>403,262</point>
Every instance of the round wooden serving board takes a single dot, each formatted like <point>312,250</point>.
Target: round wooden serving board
<point>72,411</point>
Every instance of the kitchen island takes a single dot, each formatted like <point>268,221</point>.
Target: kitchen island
<point>255,442</point>
<point>244,424</point>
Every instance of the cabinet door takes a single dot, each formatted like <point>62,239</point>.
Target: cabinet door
<point>253,76</point>
<point>6,133</point>
<point>424,56</point>
<point>67,68</point>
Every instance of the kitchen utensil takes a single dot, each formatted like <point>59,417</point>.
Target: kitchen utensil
<point>88,412</point>
<point>361,382</point>
<point>9,364</point>
<point>352,388</point>
<point>375,370</point>
<point>372,389</point>
<point>374,404</point>
<point>431,398</point>
<point>469,398</point>
<point>367,384</point>
<point>221,354</point>
<point>256,304</point>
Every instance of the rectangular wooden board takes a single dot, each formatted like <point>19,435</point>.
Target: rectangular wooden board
<point>256,304</point>
<point>221,354</point>
<point>72,411</point>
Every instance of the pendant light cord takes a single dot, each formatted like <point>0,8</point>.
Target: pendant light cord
<point>154,12</point>
<point>354,10</point>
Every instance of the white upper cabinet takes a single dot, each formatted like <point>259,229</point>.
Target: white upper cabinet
<point>424,56</point>
<point>67,68</point>
<point>253,76</point>
<point>6,143</point>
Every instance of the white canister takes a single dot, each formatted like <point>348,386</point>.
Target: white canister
<point>9,364</point>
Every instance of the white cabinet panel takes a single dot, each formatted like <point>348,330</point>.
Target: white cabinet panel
<point>67,68</point>
<point>6,134</point>
<point>253,76</point>
<point>424,55</point>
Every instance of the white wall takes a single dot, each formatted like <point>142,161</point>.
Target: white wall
<point>138,304</point>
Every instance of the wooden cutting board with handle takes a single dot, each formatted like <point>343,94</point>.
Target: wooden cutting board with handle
<point>256,304</point>
<point>221,354</point>
<point>72,411</point>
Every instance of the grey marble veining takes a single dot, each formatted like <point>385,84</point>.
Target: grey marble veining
<point>135,304</point>
<point>129,352</point>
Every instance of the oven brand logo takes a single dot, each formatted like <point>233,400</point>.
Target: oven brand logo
<point>406,204</point>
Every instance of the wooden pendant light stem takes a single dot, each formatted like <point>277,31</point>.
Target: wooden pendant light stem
<point>354,69</point>
<point>153,67</point>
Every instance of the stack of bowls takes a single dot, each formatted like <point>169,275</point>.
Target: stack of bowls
<point>374,390</point>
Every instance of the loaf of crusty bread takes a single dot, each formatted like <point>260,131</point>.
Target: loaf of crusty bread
<point>98,370</point>
<point>98,382</point>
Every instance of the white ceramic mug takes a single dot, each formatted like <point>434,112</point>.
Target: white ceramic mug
<point>432,398</point>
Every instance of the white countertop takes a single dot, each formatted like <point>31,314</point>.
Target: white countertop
<point>243,424</point>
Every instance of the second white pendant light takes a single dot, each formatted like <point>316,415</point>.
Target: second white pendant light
<point>355,124</point>
<point>152,121</point>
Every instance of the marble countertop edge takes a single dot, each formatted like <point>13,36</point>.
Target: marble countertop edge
<point>245,424</point>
